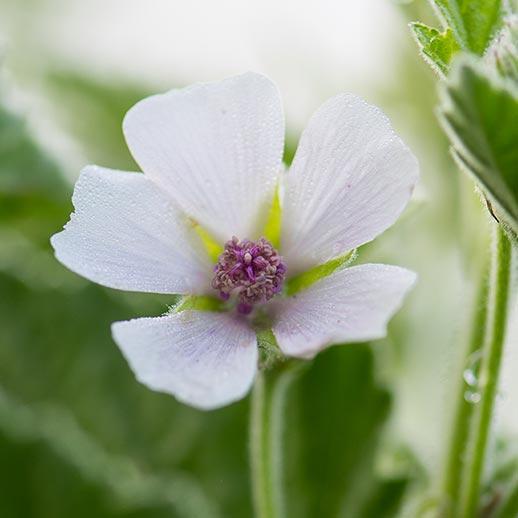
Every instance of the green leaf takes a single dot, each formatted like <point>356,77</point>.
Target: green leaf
<point>473,22</point>
<point>50,467</point>
<point>385,498</point>
<point>479,113</point>
<point>437,47</point>
<point>469,25</point>
<point>504,51</point>
<point>336,412</point>
<point>306,279</point>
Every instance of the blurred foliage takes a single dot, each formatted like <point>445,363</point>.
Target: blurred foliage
<point>504,51</point>
<point>24,170</point>
<point>92,111</point>
<point>51,468</point>
<point>338,412</point>
<point>479,113</point>
<point>78,434</point>
<point>501,490</point>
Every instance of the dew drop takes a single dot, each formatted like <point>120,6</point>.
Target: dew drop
<point>472,396</point>
<point>470,373</point>
<point>470,377</point>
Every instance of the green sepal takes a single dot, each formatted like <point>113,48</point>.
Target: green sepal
<point>270,353</point>
<point>306,279</point>
<point>212,246</point>
<point>198,303</point>
<point>272,229</point>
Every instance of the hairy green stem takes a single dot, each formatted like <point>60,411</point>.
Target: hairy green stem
<point>489,371</point>
<point>266,432</point>
<point>464,408</point>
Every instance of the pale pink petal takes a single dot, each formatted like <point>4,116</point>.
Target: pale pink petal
<point>204,359</point>
<point>351,178</point>
<point>351,305</point>
<point>126,234</point>
<point>216,148</point>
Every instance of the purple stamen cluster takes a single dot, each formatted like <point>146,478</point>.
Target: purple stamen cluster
<point>253,270</point>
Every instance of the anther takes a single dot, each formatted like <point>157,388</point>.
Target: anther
<point>252,270</point>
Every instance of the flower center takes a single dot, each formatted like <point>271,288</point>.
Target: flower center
<point>253,270</point>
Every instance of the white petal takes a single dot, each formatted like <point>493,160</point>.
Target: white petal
<point>350,180</point>
<point>126,234</point>
<point>351,305</point>
<point>204,359</point>
<point>216,148</point>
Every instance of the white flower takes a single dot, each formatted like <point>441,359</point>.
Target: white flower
<point>212,154</point>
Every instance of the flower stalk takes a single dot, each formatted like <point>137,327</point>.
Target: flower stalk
<point>266,436</point>
<point>464,409</point>
<point>497,308</point>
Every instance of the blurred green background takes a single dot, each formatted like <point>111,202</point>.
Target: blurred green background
<point>365,422</point>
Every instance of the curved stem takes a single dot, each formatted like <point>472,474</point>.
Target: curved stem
<point>266,431</point>
<point>464,409</point>
<point>489,370</point>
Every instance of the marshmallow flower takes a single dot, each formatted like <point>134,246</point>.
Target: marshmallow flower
<point>212,161</point>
